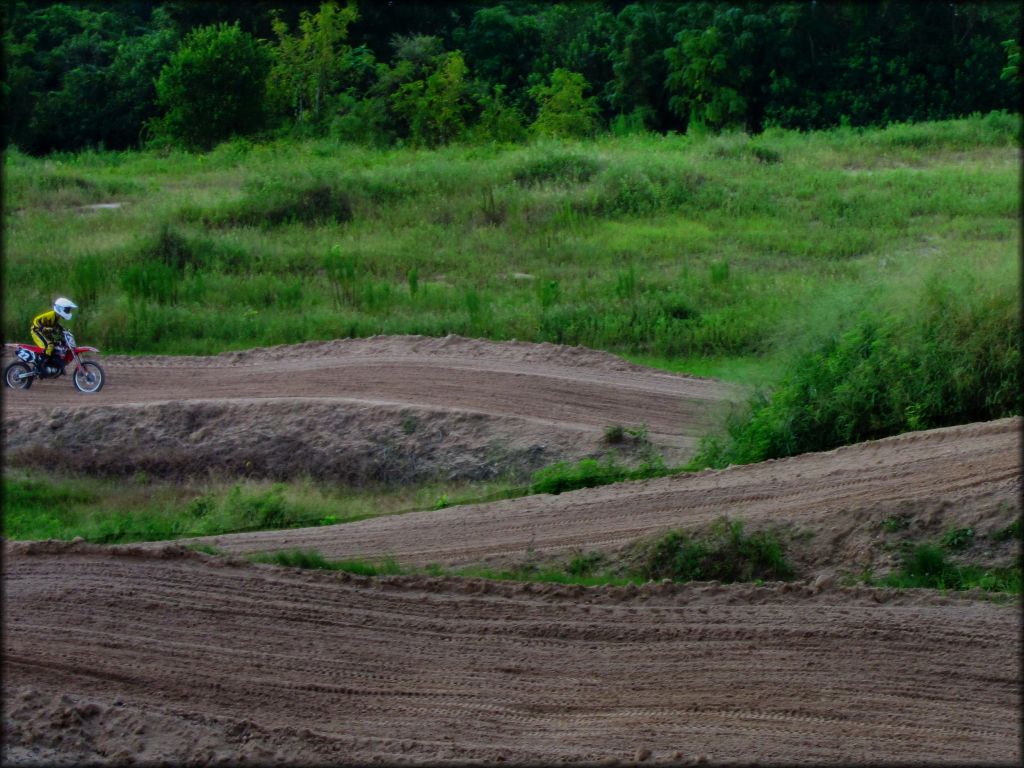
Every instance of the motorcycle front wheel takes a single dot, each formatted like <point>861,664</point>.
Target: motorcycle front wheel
<point>18,376</point>
<point>88,377</point>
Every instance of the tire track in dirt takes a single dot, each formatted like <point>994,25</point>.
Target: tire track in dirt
<point>479,407</point>
<point>177,656</point>
<point>967,476</point>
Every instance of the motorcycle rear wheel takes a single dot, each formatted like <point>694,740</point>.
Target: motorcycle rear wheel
<point>16,376</point>
<point>88,377</point>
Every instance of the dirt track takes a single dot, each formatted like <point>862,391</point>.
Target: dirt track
<point>156,653</point>
<point>180,657</point>
<point>387,408</point>
<point>967,476</point>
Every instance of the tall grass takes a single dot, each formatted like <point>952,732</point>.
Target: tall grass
<point>663,247</point>
<point>38,506</point>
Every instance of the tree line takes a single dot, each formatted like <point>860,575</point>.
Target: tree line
<point>130,74</point>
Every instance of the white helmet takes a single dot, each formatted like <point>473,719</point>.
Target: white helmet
<point>63,307</point>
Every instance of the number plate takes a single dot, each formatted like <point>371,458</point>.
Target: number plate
<point>26,354</point>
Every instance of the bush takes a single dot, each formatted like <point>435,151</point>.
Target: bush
<point>629,190</point>
<point>589,473</point>
<point>726,555</point>
<point>952,359</point>
<point>562,109</point>
<point>213,86</point>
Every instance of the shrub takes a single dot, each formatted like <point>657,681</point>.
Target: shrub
<point>589,473</point>
<point>629,190</point>
<point>925,567</point>
<point>726,555</point>
<point>562,109</point>
<point>958,538</point>
<point>614,434</point>
<point>311,558</point>
<point>951,359</point>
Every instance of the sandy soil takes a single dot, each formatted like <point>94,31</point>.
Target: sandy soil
<point>116,655</point>
<point>966,476</point>
<point>159,654</point>
<point>398,409</point>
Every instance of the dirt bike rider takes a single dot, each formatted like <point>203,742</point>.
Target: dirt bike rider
<point>46,330</point>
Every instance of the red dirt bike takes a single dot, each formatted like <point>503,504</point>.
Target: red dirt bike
<point>33,364</point>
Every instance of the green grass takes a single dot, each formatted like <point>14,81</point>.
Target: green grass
<point>38,506</point>
<point>725,554</point>
<point>925,566</point>
<point>588,473</point>
<point>312,559</point>
<point>1012,531</point>
<point>669,249</point>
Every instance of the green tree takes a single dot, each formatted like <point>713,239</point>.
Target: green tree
<point>719,69</point>
<point>1011,72</point>
<point>131,80</point>
<point>310,65</point>
<point>435,108</point>
<point>80,77</point>
<point>639,37</point>
<point>499,120</point>
<point>214,86</point>
<point>501,47</point>
<point>562,110</point>
<point>576,37</point>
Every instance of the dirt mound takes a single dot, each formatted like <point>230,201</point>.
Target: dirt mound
<point>395,409</point>
<point>281,439</point>
<point>834,507</point>
<point>457,349</point>
<point>110,658</point>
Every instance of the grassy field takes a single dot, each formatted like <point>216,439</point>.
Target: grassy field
<point>715,255</point>
<point>39,506</point>
<point>847,262</point>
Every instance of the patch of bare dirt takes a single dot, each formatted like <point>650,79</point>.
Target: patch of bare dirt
<point>110,659</point>
<point>160,654</point>
<point>833,507</point>
<point>393,409</point>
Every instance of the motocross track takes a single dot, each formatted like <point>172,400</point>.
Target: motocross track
<point>395,409</point>
<point>151,653</point>
<point>127,654</point>
<point>965,476</point>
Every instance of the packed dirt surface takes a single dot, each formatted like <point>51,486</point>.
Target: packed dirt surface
<point>834,506</point>
<point>156,653</point>
<point>118,655</point>
<point>394,409</point>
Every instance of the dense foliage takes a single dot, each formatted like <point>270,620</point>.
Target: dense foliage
<point>213,87</point>
<point>951,357</point>
<point>83,74</point>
